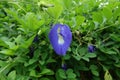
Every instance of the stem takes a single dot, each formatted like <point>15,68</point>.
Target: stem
<point>8,65</point>
<point>5,68</point>
<point>62,60</point>
<point>106,39</point>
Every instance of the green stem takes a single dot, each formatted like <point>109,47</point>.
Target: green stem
<point>8,65</point>
<point>4,68</point>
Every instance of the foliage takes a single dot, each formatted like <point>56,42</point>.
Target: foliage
<point>25,50</point>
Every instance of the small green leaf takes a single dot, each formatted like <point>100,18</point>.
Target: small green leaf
<point>56,10</point>
<point>116,12</point>
<point>79,20</point>
<point>7,52</point>
<point>107,13</point>
<point>111,52</point>
<point>27,43</point>
<point>108,51</point>
<point>97,17</point>
<point>107,76</point>
<point>69,71</point>
<point>12,75</point>
<point>95,72</point>
<point>70,74</point>
<point>3,77</point>
<point>117,64</point>
<point>93,67</point>
<point>2,63</point>
<point>68,4</point>
<point>31,61</point>
<point>2,43</point>
<point>90,55</point>
<point>12,45</point>
<point>33,73</point>
<point>44,79</point>
<point>62,74</point>
<point>47,72</point>
<point>115,37</point>
<point>86,59</point>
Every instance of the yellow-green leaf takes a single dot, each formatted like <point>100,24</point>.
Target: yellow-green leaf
<point>107,76</point>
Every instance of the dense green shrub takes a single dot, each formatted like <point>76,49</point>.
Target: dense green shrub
<point>26,52</point>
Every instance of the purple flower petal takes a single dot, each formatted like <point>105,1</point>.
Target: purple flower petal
<point>60,38</point>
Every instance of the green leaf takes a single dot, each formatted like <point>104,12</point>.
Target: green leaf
<point>115,37</point>
<point>77,56</point>
<point>13,13</point>
<point>117,64</point>
<point>22,77</point>
<point>79,20</point>
<point>107,76</point>
<point>67,4</point>
<point>3,44</point>
<point>7,52</point>
<point>117,72</point>
<point>27,43</point>
<point>97,17</point>
<point>95,72</point>
<point>93,67</point>
<point>31,61</point>
<point>50,60</point>
<point>70,74</point>
<point>62,74</point>
<point>18,39</point>
<point>31,22</point>
<point>12,45</point>
<point>2,77</point>
<point>116,12</point>
<point>86,59</point>
<point>111,52</point>
<point>2,63</point>
<point>108,51</point>
<point>44,79</point>
<point>33,73</point>
<point>90,55</point>
<point>107,12</point>
<point>79,52</point>
<point>69,71</point>
<point>55,11</point>
<point>12,75</point>
<point>47,72</point>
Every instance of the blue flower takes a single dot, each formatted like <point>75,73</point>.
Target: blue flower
<point>60,38</point>
<point>91,48</point>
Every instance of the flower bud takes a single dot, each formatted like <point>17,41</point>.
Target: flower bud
<point>91,48</point>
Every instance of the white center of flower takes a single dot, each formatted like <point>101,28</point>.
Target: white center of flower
<point>60,37</point>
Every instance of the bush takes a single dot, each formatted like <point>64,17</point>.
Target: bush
<point>26,52</point>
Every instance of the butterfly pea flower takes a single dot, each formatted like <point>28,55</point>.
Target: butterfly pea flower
<point>60,38</point>
<point>91,48</point>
